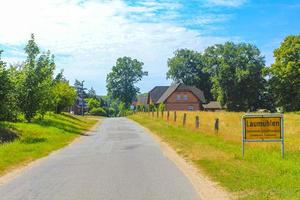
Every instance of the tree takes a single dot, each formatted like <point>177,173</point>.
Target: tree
<point>81,94</point>
<point>92,93</point>
<point>64,96</point>
<point>190,67</point>
<point>237,78</point>
<point>29,97</point>
<point>285,74</point>
<point>80,89</point>
<point>92,103</point>
<point>7,101</point>
<point>98,111</point>
<point>120,82</point>
<point>122,109</point>
<point>35,86</point>
<point>60,77</point>
<point>44,73</point>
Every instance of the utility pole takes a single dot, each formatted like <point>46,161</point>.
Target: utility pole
<point>82,100</point>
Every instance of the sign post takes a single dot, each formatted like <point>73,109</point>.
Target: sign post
<point>263,128</point>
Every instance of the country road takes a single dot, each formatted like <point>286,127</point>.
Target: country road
<point>118,160</point>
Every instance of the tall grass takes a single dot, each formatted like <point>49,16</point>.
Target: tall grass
<point>262,174</point>
<point>230,127</point>
<point>38,139</point>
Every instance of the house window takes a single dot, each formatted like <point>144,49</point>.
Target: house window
<point>190,108</point>
<point>185,97</point>
<point>178,97</point>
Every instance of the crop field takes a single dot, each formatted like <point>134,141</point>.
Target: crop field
<point>262,174</point>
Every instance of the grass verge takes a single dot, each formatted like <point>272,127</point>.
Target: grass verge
<point>30,141</point>
<point>262,174</point>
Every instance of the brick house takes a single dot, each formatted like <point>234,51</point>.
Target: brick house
<point>177,97</point>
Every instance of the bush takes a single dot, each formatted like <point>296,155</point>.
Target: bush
<point>98,112</point>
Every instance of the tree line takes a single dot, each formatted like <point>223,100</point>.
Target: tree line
<point>235,74</point>
<point>30,89</point>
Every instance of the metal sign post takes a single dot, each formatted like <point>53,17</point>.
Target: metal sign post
<point>263,128</point>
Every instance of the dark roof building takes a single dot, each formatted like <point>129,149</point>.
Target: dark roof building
<point>213,106</point>
<point>177,97</point>
<point>156,93</point>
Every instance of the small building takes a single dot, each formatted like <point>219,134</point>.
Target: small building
<point>140,100</point>
<point>177,97</point>
<point>213,106</point>
<point>78,106</point>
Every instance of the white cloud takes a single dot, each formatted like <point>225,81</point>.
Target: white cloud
<point>226,3</point>
<point>95,33</point>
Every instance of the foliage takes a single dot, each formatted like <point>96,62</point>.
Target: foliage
<point>190,67</point>
<point>98,111</point>
<point>285,74</point>
<point>64,96</point>
<point>7,100</point>
<point>60,77</point>
<point>79,86</point>
<point>161,107</point>
<point>151,107</point>
<point>92,103</point>
<point>122,109</point>
<point>92,93</point>
<point>120,82</point>
<point>29,97</point>
<point>237,77</point>
<point>140,108</point>
<point>44,74</point>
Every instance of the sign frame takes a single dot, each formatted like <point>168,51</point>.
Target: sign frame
<point>263,115</point>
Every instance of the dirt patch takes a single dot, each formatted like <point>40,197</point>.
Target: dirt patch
<point>206,188</point>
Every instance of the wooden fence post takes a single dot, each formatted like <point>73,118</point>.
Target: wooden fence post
<point>168,115</point>
<point>175,116</point>
<point>184,119</point>
<point>157,113</point>
<point>162,114</point>
<point>217,126</point>
<point>152,113</point>
<point>197,122</point>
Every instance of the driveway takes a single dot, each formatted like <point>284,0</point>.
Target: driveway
<point>118,161</point>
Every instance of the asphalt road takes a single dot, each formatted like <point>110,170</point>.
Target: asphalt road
<point>119,160</point>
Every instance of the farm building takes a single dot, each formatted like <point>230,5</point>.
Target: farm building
<point>213,106</point>
<point>177,97</point>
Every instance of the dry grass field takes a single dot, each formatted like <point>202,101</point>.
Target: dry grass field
<point>230,125</point>
<point>262,174</point>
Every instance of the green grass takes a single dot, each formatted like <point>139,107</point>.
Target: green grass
<point>262,174</point>
<point>30,141</point>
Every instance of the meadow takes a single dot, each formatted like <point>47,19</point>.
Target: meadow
<point>23,142</point>
<point>262,174</point>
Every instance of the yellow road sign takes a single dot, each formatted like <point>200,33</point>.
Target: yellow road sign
<point>265,127</point>
<point>262,128</point>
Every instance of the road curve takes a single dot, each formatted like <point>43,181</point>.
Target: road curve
<point>117,161</point>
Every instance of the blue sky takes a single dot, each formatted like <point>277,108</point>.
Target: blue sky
<point>88,36</point>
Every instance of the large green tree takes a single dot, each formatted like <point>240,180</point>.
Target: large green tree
<point>34,89</point>
<point>120,82</point>
<point>238,80</point>
<point>285,74</point>
<point>190,67</point>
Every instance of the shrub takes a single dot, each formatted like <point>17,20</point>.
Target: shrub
<point>98,112</point>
